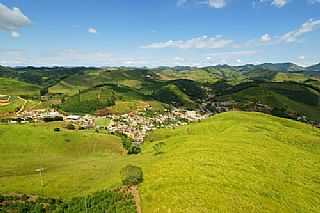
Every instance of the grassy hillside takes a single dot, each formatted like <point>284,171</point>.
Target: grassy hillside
<point>90,78</point>
<point>233,162</point>
<point>298,98</point>
<point>17,88</point>
<point>100,97</point>
<point>74,163</point>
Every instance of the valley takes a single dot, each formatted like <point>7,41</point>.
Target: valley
<point>207,139</point>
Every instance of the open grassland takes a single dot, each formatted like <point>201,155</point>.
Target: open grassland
<point>297,77</point>
<point>17,88</point>
<point>235,162</point>
<point>232,162</point>
<point>74,163</point>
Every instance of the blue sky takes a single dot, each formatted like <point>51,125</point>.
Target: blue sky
<point>158,32</point>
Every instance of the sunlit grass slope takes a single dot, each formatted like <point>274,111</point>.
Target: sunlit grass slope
<point>14,87</point>
<point>235,162</point>
<point>232,162</point>
<point>74,163</point>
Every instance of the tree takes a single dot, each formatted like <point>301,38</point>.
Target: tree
<point>134,149</point>
<point>71,126</point>
<point>131,175</point>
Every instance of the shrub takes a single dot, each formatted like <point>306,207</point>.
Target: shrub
<point>134,149</point>
<point>131,175</point>
<point>71,126</point>
<point>50,119</point>
<point>56,129</point>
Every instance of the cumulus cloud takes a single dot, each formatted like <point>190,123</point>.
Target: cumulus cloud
<point>92,30</point>
<point>265,38</point>
<point>202,42</point>
<point>12,20</point>
<point>306,27</point>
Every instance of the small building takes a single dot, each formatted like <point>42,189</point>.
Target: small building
<point>73,117</point>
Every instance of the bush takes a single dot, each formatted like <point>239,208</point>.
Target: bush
<point>56,129</point>
<point>134,149</point>
<point>131,175</point>
<point>51,119</point>
<point>70,126</point>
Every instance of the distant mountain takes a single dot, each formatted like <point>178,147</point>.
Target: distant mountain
<point>314,68</point>
<point>283,67</point>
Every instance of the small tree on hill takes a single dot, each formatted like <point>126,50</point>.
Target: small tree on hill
<point>131,175</point>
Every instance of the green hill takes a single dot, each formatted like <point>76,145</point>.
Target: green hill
<point>74,162</point>
<point>17,88</point>
<point>102,96</point>
<point>232,162</point>
<point>293,97</point>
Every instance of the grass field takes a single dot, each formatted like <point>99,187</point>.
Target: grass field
<point>232,162</point>
<point>74,162</point>
<point>235,162</point>
<point>17,88</point>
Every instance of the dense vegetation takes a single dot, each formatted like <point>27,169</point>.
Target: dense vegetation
<point>100,202</point>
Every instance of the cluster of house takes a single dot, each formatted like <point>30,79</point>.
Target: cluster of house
<point>137,125</point>
<point>43,115</point>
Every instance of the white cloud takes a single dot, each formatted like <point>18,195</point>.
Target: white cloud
<point>306,27</point>
<point>302,57</point>
<point>12,20</point>
<point>211,3</point>
<point>217,3</point>
<point>279,3</point>
<point>15,34</point>
<point>265,38</point>
<point>203,42</point>
<point>92,30</point>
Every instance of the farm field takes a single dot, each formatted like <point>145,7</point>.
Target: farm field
<point>234,161</point>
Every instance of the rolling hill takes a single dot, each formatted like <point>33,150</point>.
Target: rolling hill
<point>17,88</point>
<point>232,162</point>
<point>290,96</point>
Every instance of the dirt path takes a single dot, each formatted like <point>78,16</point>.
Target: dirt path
<point>135,192</point>
<point>23,106</point>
